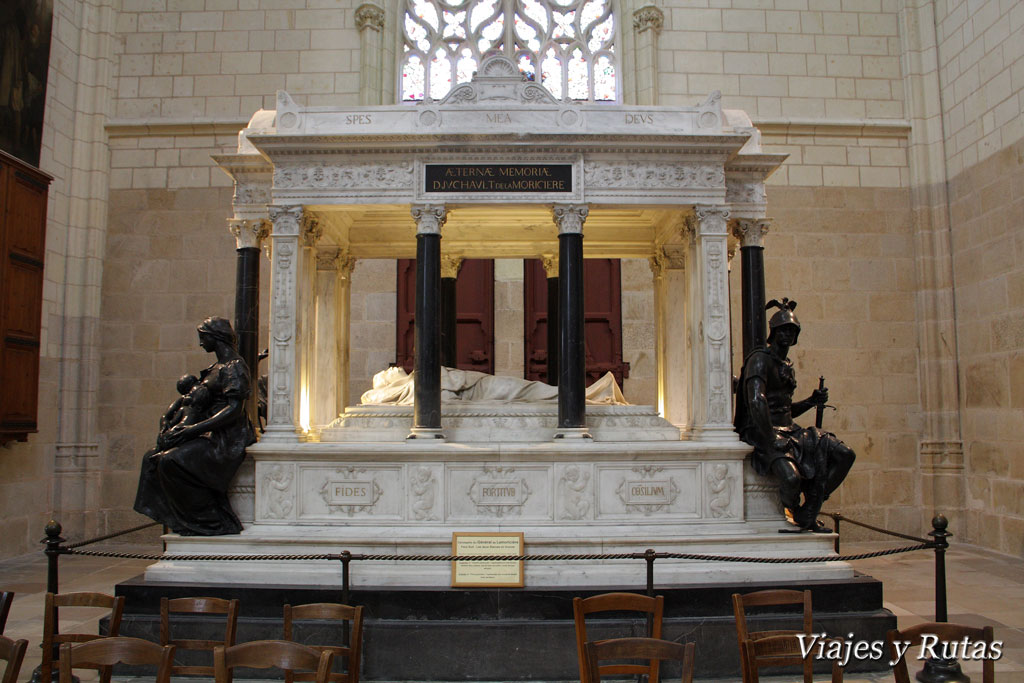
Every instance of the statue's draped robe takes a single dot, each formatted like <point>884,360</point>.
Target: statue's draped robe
<point>185,487</point>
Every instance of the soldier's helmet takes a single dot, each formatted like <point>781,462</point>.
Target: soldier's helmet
<point>783,316</point>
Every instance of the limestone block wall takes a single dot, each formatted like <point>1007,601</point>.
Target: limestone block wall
<point>803,60</point>
<point>981,69</point>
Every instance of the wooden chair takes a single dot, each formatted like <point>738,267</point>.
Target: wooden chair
<point>945,633</point>
<point>197,606</point>
<point>6,598</point>
<point>352,617</point>
<point>104,653</point>
<point>263,654</point>
<point>51,639</point>
<point>618,602</point>
<point>12,652</point>
<point>760,649</point>
<point>651,649</point>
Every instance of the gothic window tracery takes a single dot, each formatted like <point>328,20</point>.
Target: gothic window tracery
<point>566,45</point>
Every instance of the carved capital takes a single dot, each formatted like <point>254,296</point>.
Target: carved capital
<point>751,231</point>
<point>369,16</point>
<point>327,258</point>
<point>312,231</point>
<point>346,264</point>
<point>646,18</point>
<point>668,257</point>
<point>688,228</point>
<point>570,217</point>
<point>450,266</point>
<point>550,264</point>
<point>712,220</point>
<point>429,218</point>
<point>249,233</point>
<point>286,219</point>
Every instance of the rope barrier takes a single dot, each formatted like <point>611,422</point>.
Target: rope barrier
<point>502,558</point>
<point>907,537</point>
<point>106,537</point>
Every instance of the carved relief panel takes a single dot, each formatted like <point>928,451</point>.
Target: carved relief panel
<point>629,492</point>
<point>495,492</point>
<point>351,492</point>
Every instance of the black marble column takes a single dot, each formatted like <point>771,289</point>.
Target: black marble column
<point>571,352</point>
<point>248,236</point>
<point>752,297</point>
<point>427,362</point>
<point>553,336</point>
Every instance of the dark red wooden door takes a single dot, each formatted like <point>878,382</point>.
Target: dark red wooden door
<point>474,315</point>
<point>602,305</point>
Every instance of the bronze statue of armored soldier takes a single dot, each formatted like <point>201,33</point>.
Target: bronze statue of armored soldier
<point>808,462</point>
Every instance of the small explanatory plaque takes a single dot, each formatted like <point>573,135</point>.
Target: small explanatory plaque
<point>487,573</point>
<point>498,178</point>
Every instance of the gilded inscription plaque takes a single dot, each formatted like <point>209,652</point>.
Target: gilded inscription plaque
<point>491,178</point>
<point>487,573</point>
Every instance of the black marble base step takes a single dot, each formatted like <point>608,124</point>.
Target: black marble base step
<point>477,634</point>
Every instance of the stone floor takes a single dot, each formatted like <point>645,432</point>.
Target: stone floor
<point>984,588</point>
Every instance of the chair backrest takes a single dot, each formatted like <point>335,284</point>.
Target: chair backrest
<point>771,648</point>
<point>105,652</point>
<point>618,602</point>
<point>263,654</point>
<point>651,649</point>
<point>168,606</point>
<point>939,633</point>
<point>52,639</point>
<point>12,652</point>
<point>347,614</point>
<point>6,598</point>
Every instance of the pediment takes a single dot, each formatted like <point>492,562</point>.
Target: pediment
<point>499,81</point>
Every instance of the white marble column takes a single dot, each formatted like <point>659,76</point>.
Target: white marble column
<point>287,277</point>
<point>671,315</point>
<point>370,22</point>
<point>711,350</point>
<point>310,233</point>
<point>329,366</point>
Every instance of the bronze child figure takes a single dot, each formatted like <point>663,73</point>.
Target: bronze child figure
<point>807,461</point>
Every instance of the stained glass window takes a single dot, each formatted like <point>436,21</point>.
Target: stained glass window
<point>569,45</point>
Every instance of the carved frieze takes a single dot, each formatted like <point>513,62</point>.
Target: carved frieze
<point>397,175</point>
<point>252,193</point>
<point>745,193</point>
<point>651,175</point>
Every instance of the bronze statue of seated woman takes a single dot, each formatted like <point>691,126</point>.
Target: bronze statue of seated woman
<point>202,441</point>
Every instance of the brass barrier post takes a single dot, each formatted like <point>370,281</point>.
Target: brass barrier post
<point>938,670</point>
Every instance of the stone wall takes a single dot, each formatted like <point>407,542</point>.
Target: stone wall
<point>987,203</point>
<point>981,70</point>
<point>809,59</point>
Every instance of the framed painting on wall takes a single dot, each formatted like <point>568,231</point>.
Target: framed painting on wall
<point>24,61</point>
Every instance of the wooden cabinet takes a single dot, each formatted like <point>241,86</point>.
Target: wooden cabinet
<point>23,191</point>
